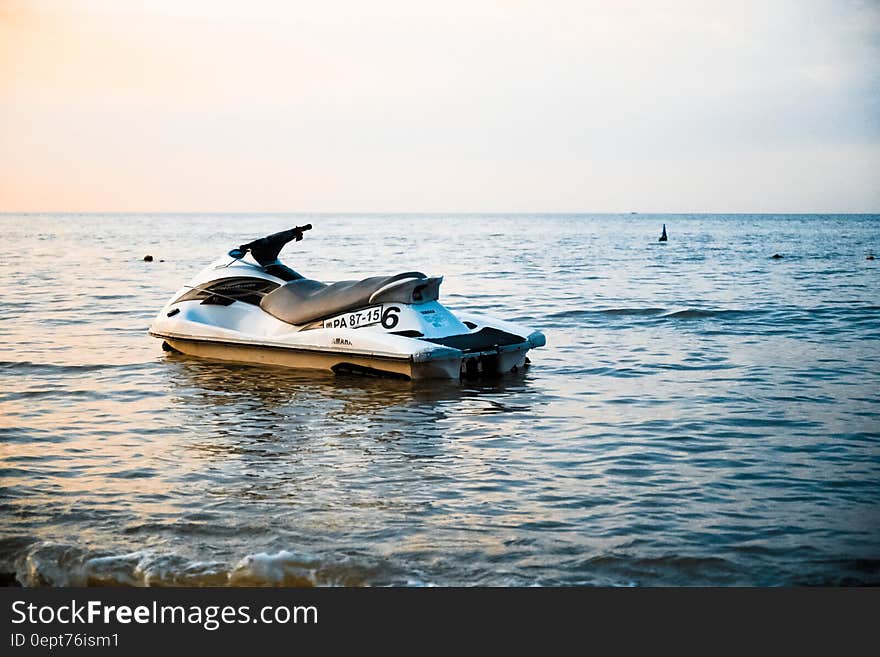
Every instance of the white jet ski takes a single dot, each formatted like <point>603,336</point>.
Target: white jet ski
<point>249,307</point>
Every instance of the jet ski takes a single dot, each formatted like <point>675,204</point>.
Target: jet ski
<point>249,307</point>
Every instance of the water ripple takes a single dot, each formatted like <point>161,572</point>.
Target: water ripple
<point>701,415</point>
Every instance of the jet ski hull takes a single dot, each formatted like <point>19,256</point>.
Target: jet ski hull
<point>487,363</point>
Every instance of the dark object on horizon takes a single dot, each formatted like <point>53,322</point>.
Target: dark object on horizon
<point>870,256</point>
<point>148,258</point>
<point>663,237</point>
<point>776,256</point>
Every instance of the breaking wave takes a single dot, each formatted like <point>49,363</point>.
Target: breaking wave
<point>53,564</point>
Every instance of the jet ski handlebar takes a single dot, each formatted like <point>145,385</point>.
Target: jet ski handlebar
<point>266,249</point>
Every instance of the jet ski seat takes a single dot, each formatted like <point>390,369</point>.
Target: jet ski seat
<point>305,300</point>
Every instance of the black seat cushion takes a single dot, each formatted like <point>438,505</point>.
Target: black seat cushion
<point>305,300</point>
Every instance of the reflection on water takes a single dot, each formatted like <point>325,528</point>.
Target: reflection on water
<point>275,421</point>
<point>701,415</point>
<point>247,402</point>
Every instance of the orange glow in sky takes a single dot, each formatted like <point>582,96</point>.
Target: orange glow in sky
<point>424,106</point>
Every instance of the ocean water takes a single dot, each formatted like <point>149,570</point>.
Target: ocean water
<point>702,414</point>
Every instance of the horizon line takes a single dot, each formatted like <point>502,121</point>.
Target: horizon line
<point>432,212</point>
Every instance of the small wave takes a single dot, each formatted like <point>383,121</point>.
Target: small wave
<point>663,569</point>
<point>31,563</point>
<point>637,312</point>
<point>51,368</point>
<point>790,313</point>
<point>686,367</point>
<point>632,311</point>
<point>660,313</point>
<point>860,571</point>
<point>112,297</point>
<point>697,313</point>
<point>281,569</point>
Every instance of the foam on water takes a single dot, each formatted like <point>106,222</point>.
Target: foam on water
<point>53,564</point>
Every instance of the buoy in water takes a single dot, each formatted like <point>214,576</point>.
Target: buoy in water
<point>148,258</point>
<point>663,237</point>
<point>776,256</point>
<point>870,256</point>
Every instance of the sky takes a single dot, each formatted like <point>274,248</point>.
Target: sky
<point>453,106</point>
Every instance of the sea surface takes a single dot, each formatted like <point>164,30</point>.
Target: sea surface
<point>702,414</point>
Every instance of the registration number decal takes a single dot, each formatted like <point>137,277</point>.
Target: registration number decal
<point>357,318</point>
<point>388,316</point>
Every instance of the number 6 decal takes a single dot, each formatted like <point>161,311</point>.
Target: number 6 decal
<point>390,318</point>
